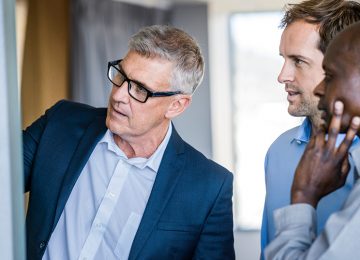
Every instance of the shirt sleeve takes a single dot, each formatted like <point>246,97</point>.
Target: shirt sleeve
<point>295,232</point>
<point>264,240</point>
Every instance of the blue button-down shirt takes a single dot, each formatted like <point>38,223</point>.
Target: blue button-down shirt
<point>281,161</point>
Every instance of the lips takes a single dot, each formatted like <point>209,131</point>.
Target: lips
<point>292,93</point>
<point>321,108</point>
<point>323,115</point>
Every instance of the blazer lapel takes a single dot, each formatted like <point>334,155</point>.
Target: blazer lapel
<point>167,177</point>
<point>87,143</point>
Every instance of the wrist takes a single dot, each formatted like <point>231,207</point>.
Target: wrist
<point>300,196</point>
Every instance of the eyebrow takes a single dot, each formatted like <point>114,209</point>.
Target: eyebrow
<point>330,69</point>
<point>134,80</point>
<point>294,56</point>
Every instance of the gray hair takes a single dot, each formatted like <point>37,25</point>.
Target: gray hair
<point>176,46</point>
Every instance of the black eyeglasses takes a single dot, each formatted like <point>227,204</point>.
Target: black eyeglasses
<point>135,89</point>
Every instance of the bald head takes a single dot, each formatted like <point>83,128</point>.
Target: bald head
<point>347,41</point>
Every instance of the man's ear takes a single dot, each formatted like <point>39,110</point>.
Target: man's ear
<point>178,105</point>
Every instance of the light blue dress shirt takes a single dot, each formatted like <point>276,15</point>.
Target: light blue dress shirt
<point>106,204</point>
<point>281,161</point>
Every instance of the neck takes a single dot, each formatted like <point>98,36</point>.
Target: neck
<point>142,146</point>
<point>316,123</point>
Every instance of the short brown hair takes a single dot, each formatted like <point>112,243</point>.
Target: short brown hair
<point>332,16</point>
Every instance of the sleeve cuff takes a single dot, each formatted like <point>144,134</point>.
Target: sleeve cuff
<point>294,215</point>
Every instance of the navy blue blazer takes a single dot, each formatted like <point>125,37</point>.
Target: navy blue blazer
<point>189,212</point>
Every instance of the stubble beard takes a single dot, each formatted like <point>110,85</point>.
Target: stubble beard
<point>307,108</point>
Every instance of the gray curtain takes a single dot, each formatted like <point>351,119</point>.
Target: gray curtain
<point>100,30</point>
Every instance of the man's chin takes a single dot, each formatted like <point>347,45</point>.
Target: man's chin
<point>294,110</point>
<point>295,113</point>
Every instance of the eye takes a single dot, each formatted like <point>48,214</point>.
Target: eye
<point>327,78</point>
<point>138,89</point>
<point>298,62</point>
<point>118,78</point>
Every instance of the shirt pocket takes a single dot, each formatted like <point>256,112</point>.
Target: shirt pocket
<point>127,236</point>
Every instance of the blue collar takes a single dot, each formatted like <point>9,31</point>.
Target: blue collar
<point>303,133</point>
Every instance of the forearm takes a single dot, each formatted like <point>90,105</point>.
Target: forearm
<point>31,138</point>
<point>295,232</point>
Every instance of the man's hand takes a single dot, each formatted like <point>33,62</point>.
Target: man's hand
<point>323,167</point>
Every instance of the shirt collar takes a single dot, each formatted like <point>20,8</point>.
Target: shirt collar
<point>303,133</point>
<point>153,162</point>
<point>155,159</point>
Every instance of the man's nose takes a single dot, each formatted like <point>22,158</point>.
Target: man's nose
<point>121,93</point>
<point>320,89</point>
<point>286,74</point>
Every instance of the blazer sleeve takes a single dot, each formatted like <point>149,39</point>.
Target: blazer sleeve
<point>217,239</point>
<point>31,140</point>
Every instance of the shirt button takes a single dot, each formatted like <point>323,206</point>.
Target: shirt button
<point>99,226</point>
<point>298,141</point>
<point>42,245</point>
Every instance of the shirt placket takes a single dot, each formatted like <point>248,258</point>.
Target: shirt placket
<point>105,211</point>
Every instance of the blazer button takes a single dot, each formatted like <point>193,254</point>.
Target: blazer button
<point>42,245</point>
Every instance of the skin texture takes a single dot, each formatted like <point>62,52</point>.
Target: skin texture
<point>323,167</point>
<point>302,70</point>
<point>139,128</point>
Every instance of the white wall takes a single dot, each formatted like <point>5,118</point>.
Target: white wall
<point>219,12</point>
<point>247,244</point>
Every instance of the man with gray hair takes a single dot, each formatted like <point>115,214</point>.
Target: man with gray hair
<point>120,183</point>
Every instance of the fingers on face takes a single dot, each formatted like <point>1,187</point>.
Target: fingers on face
<point>335,124</point>
<point>345,168</point>
<point>350,134</point>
